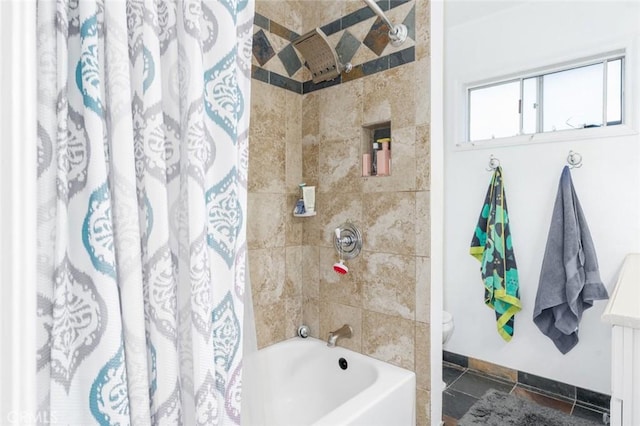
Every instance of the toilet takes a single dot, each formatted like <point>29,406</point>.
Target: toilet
<point>447,326</point>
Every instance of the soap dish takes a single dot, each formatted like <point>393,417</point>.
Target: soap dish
<point>306,214</point>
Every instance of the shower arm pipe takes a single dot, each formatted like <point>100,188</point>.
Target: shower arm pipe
<point>397,33</point>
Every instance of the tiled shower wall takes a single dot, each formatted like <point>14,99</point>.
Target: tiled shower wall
<point>316,138</point>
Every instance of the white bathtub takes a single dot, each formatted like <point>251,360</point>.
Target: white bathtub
<point>300,382</point>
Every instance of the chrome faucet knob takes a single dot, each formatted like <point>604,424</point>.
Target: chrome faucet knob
<point>303,331</point>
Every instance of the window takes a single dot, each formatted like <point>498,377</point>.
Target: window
<point>575,97</point>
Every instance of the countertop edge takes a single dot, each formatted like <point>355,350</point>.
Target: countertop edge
<point>623,308</point>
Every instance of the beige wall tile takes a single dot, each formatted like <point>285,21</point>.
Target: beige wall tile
<point>311,316</point>
<point>339,166</point>
<point>266,8</point>
<point>311,272</point>
<point>267,160</point>
<point>423,224</point>
<point>266,139</point>
<point>293,146</point>
<point>310,119</point>
<point>423,407</point>
<point>293,272</point>
<point>293,19</point>
<point>284,12</point>
<point>390,222</point>
<point>268,112</point>
<point>422,87</point>
<point>316,13</point>
<point>389,284</point>
<point>423,33</point>
<point>340,111</point>
<point>267,269</point>
<point>423,289</point>
<point>344,289</point>
<point>423,157</point>
<point>310,160</point>
<point>310,128</point>
<point>311,230</point>
<point>376,102</point>
<point>265,230</point>
<point>352,6</point>
<point>270,323</point>
<point>390,95</point>
<point>293,316</point>
<point>293,226</point>
<point>389,338</point>
<point>423,356</point>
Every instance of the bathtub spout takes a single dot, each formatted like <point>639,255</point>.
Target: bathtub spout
<point>343,332</point>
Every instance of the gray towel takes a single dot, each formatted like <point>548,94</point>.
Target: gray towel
<point>569,280</point>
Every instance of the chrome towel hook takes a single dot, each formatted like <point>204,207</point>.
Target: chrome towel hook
<point>574,160</point>
<point>494,163</point>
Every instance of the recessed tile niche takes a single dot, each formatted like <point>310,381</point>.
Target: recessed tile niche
<point>376,149</point>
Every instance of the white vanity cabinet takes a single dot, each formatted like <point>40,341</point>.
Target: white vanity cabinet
<point>623,313</point>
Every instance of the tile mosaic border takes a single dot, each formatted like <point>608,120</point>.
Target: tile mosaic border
<point>374,66</point>
<point>264,52</point>
<point>584,398</point>
<point>276,79</point>
<point>359,15</point>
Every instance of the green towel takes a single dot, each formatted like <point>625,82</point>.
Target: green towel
<point>492,246</point>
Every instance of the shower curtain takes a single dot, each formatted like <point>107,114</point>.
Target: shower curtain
<point>142,184</point>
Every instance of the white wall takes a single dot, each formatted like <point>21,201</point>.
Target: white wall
<point>531,35</point>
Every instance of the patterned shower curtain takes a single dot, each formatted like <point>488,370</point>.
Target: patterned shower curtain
<point>142,174</point>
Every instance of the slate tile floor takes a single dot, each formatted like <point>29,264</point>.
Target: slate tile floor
<point>464,387</point>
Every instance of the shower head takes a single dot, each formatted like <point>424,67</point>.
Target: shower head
<point>321,58</point>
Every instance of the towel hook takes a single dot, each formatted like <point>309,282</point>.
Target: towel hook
<point>574,159</point>
<point>494,163</point>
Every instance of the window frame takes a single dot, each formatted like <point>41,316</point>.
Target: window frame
<point>538,74</point>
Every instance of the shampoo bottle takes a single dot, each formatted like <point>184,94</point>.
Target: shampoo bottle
<point>374,158</point>
<point>366,164</point>
<point>383,158</point>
